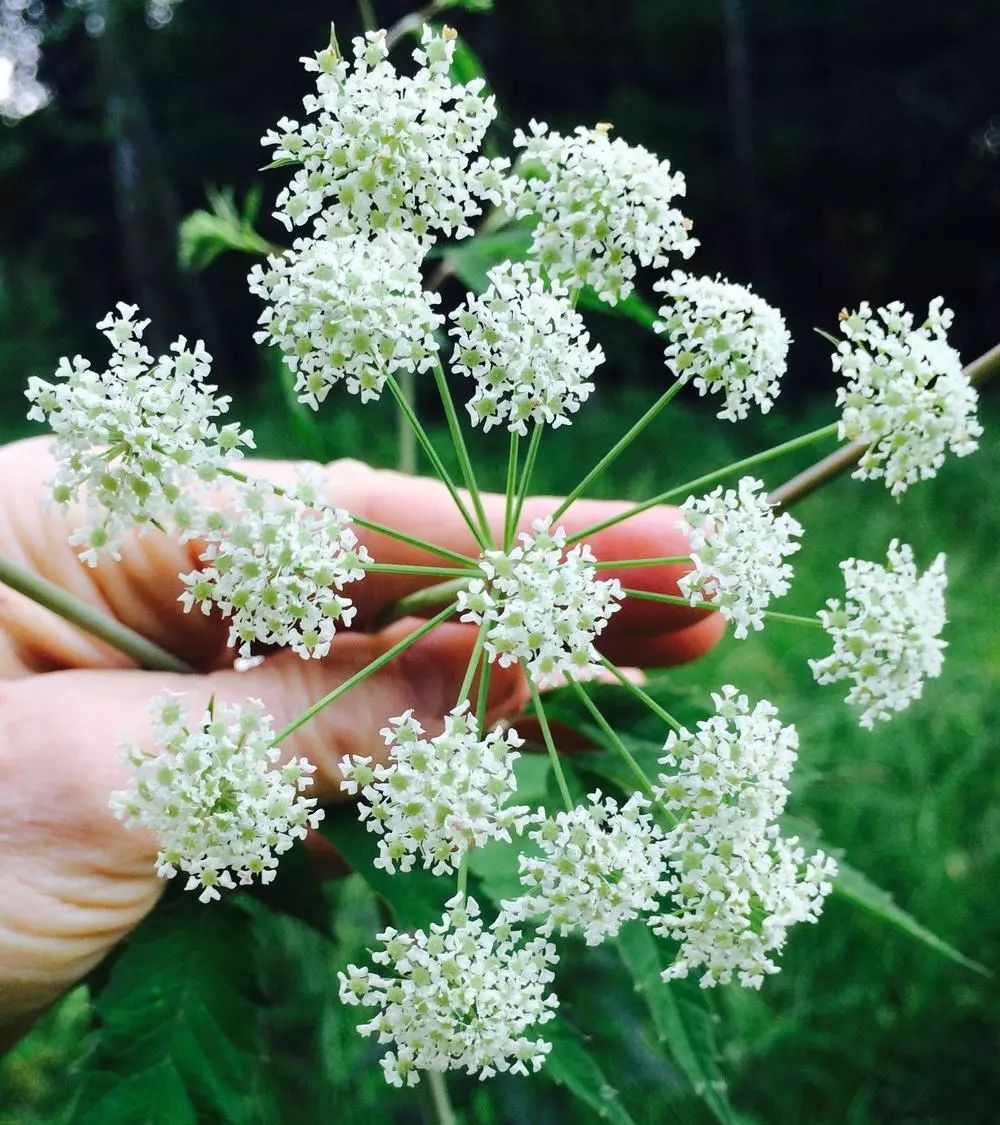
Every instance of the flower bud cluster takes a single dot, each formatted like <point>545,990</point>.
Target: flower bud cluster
<point>132,438</point>
<point>600,866</point>
<point>437,797</point>
<point>738,548</point>
<point>214,797</point>
<point>906,395</point>
<point>276,569</point>
<point>459,997</point>
<point>736,884</point>
<point>383,151</point>
<point>724,339</point>
<point>601,206</point>
<point>527,350</point>
<point>886,632</point>
<point>346,310</point>
<point>543,606</point>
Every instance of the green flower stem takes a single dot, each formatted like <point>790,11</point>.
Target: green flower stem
<point>693,486</point>
<point>406,440</point>
<point>511,490</point>
<point>619,447</point>
<point>526,474</point>
<point>623,564</point>
<point>470,671</point>
<point>371,525</point>
<point>642,696</point>
<point>443,1113</point>
<point>712,607</point>
<point>406,568</point>
<point>483,698</point>
<point>429,598</point>
<point>461,449</point>
<point>144,652</point>
<point>463,874</point>
<point>435,460</point>
<point>369,670</point>
<point>550,747</point>
<point>640,774</point>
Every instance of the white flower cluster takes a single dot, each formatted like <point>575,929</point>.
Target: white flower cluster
<point>133,437</point>
<point>906,394</point>
<point>600,866</point>
<point>211,797</point>
<point>276,568</point>
<point>438,797</point>
<point>347,310</point>
<point>21,92</point>
<point>737,885</point>
<point>886,632</point>
<point>738,548</point>
<point>543,606</point>
<point>601,206</point>
<point>725,339</point>
<point>460,997</point>
<point>526,348</point>
<point>383,151</point>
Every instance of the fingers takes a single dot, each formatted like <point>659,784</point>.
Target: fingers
<point>75,879</point>
<point>142,590</point>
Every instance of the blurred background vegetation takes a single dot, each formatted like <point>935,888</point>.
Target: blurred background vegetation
<point>834,153</point>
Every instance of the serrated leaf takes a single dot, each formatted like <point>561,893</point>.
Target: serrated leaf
<point>177,1021</point>
<point>682,1021</point>
<point>571,1066</point>
<point>857,888</point>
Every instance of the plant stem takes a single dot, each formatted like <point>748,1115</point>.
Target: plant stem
<point>369,670</point>
<point>618,448</point>
<point>624,564</point>
<point>692,486</point>
<point>712,607</point>
<point>641,695</point>
<point>406,442</point>
<point>463,874</point>
<point>144,652</point>
<point>482,699</point>
<point>412,605</point>
<point>407,568</point>
<point>979,370</point>
<point>461,449</point>
<point>640,774</point>
<point>511,490</point>
<point>443,1113</point>
<point>550,747</point>
<point>369,525</point>
<point>470,671</point>
<point>526,474</point>
<point>435,460</point>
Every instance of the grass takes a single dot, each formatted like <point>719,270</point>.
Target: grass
<point>861,1026</point>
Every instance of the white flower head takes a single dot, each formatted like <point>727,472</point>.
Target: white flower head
<point>738,548</point>
<point>543,605</point>
<point>726,340</point>
<point>886,632</point>
<point>463,996</point>
<point>906,395</point>
<point>347,311</point>
<point>131,439</point>
<point>526,348</point>
<point>601,206</point>
<point>383,151</point>
<point>736,886</point>
<point>277,568</point>
<point>600,866</point>
<point>214,796</point>
<point>438,797</point>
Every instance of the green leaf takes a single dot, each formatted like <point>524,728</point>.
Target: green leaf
<point>296,892</point>
<point>570,1065</point>
<point>204,235</point>
<point>857,888</point>
<point>178,1021</point>
<point>471,260</point>
<point>633,307</point>
<point>416,898</point>
<point>683,1022</point>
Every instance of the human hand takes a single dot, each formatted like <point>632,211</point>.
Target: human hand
<point>73,879</point>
